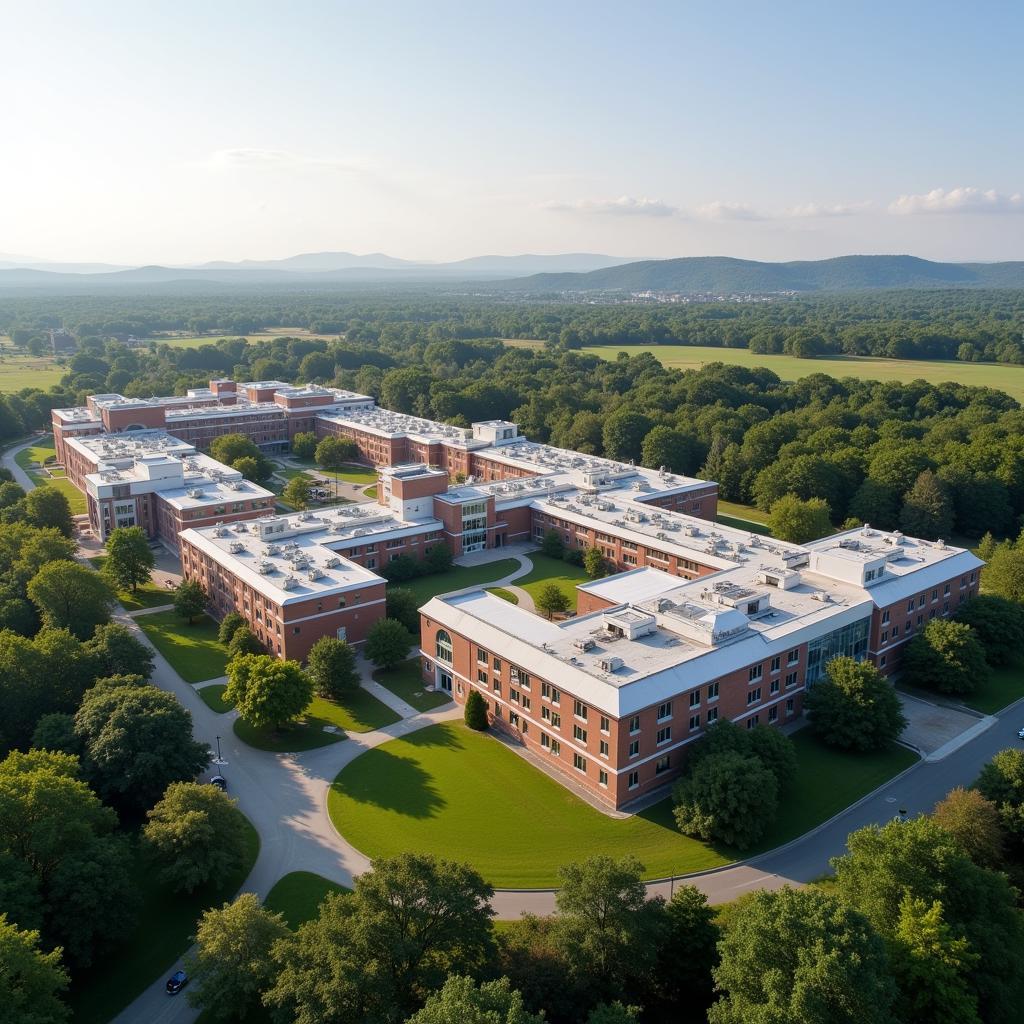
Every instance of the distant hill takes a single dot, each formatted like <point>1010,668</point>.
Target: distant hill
<point>722,275</point>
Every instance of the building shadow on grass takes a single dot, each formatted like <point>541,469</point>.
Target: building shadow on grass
<point>443,734</point>
<point>393,783</point>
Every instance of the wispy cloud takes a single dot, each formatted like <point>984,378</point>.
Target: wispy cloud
<point>260,157</point>
<point>721,210</point>
<point>812,210</point>
<point>623,206</point>
<point>965,199</point>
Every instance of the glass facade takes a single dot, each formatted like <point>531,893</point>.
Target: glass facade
<point>848,642</point>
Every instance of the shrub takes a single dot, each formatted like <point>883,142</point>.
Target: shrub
<point>228,627</point>
<point>946,656</point>
<point>244,642</point>
<point>476,711</point>
<point>332,667</point>
<point>388,643</point>
<point>552,544</point>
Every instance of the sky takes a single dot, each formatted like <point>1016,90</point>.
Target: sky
<point>179,132</point>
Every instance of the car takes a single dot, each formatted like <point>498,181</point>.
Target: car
<point>1020,733</point>
<point>176,982</point>
<point>220,782</point>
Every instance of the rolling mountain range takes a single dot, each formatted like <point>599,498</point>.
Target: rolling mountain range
<point>539,275</point>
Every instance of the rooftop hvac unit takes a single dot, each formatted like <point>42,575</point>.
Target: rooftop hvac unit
<point>236,546</point>
<point>586,644</point>
<point>220,531</point>
<point>612,664</point>
<point>333,562</point>
<point>315,573</point>
<point>266,568</point>
<point>289,582</point>
<point>195,492</point>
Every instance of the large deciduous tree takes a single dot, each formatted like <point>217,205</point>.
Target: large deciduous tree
<point>551,599</point>
<point>462,999</point>
<point>267,693</point>
<point>47,507</point>
<point>998,624</point>
<point>945,656</point>
<point>927,508</point>
<point>115,652</point>
<point>190,599</point>
<point>974,822</point>
<point>31,981</point>
<point>69,596</point>
<point>332,668</point>
<point>798,520</point>
<point>388,642</point>
<point>130,559</point>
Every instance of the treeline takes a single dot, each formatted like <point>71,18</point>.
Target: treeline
<point>908,324</point>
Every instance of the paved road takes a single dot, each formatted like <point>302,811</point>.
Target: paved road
<point>20,476</point>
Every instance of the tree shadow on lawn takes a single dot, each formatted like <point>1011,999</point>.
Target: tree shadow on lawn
<point>410,790</point>
<point>660,814</point>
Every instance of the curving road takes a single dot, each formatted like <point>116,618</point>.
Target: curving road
<point>285,797</point>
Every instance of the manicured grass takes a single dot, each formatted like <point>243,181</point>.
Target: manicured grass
<point>457,578</point>
<point>195,341</point>
<point>351,472</point>
<point>505,595</point>
<point>298,895</point>
<point>147,595</point>
<point>370,492</point>
<point>305,734</point>
<point>39,452</point>
<point>17,372</point>
<point>743,517</point>
<point>166,924</point>
<point>193,650</point>
<point>552,570</point>
<point>1002,688</point>
<point>359,712</point>
<point>405,681</point>
<point>213,698</point>
<point>29,458</point>
<point>76,499</point>
<point>436,790</point>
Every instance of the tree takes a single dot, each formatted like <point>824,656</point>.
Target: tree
<point>335,452</point>
<point>728,797</point>
<point>195,835</point>
<point>228,625</point>
<point>136,741</point>
<point>998,624</point>
<point>114,651</point>
<point>228,448</point>
<point>552,545</point>
<point>462,1001</point>
<point>594,563</point>
<point>437,559</point>
<point>297,492</point>
<point>931,966</point>
<point>267,693</point>
<point>676,450</point>
<point>687,953</point>
<point>304,445</point>
<point>244,641</point>
<point>56,732</point>
<point>387,643</point>
<point>47,507</point>
<point>410,922</point>
<point>69,596</point>
<point>973,821</point>
<point>613,1013</point>
<point>919,859</point>
<point>476,711</point>
<point>874,503</point>
<point>401,604</point>
<point>770,746</point>
<point>1002,782</point>
<point>332,668</point>
<point>945,656</point>
<point>551,599</point>
<point>927,508</point>
<point>828,966</point>
<point>855,707</point>
<point>623,434</point>
<point>190,599</point>
<point>799,521</point>
<point>1004,574</point>
<point>129,558</point>
<point>31,981</point>
<point>251,468</point>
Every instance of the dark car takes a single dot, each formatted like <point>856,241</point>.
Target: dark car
<point>176,982</point>
<point>220,782</point>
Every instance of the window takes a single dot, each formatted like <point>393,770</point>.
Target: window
<point>908,627</point>
<point>790,680</point>
<point>603,748</point>
<point>776,662</point>
<point>694,722</point>
<point>579,734</point>
<point>789,706</point>
<point>910,605</point>
<point>556,720</point>
<point>935,594</point>
<point>752,721</point>
<point>633,780</point>
<point>664,735</point>
<point>773,714</point>
<point>443,646</point>
<point>634,748</point>
<point>634,723</point>
<point>712,716</point>
<point>713,691</point>
<point>753,696</point>
<point>579,709</point>
<point>513,695</point>
<point>482,656</point>
<point>496,664</point>
<point>605,724</point>
<point>481,677</point>
<point>881,662</point>
<point>579,762</point>
<point>756,671</point>
<point>602,778</point>
<point>664,711</point>
<point>885,617</point>
<point>774,688</point>
<point>793,657</point>
<point>545,740</point>
<point>695,698</point>
<point>526,703</point>
<point>920,601</point>
<point>497,687</point>
<point>545,714</point>
<point>662,764</point>
<point>556,748</point>
<point>885,636</point>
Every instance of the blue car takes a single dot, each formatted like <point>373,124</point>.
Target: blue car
<point>176,982</point>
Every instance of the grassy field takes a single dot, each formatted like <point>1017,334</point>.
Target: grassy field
<point>552,570</point>
<point>505,595</point>
<point>298,895</point>
<point>194,341</point>
<point>747,513</point>
<point>405,681</point>
<point>213,698</point>
<point>147,595</point>
<point>351,473</point>
<point>28,458</point>
<point>1002,688</point>
<point>430,791</point>
<point>304,734</point>
<point>193,651</point>
<point>166,923</point>
<point>458,577</point>
<point>17,372</point>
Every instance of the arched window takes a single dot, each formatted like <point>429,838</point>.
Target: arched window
<point>444,646</point>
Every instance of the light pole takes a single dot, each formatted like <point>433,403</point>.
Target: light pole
<point>218,760</point>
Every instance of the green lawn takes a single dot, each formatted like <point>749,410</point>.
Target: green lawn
<point>1002,688</point>
<point>147,595</point>
<point>44,449</point>
<point>76,499</point>
<point>193,650</point>
<point>213,698</point>
<point>166,923</point>
<point>743,517</point>
<point>351,472</point>
<point>552,570</point>
<point>360,712</point>
<point>432,791</point>
<point>405,681</point>
<point>298,895</point>
<point>17,372</point>
<point>505,595</point>
<point>27,458</point>
<point>458,577</point>
<point>370,492</point>
<point>195,341</point>
<point>304,734</point>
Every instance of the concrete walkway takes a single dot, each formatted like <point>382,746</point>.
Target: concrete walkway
<point>521,553</point>
<point>20,476</point>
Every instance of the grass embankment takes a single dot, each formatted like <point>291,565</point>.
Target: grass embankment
<point>1003,686</point>
<point>146,595</point>
<point>193,650</point>
<point>430,791</point>
<point>405,681</point>
<point>32,460</point>
<point>552,570</point>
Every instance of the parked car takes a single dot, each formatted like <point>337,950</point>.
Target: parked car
<point>220,782</point>
<point>176,982</point>
<point>1020,733</point>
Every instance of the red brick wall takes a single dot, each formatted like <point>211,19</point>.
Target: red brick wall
<point>120,419</point>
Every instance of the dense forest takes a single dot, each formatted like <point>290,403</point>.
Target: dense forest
<point>946,324</point>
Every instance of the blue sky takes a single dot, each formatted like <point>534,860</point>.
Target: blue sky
<point>185,131</point>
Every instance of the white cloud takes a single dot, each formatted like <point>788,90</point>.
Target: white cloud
<point>627,206</point>
<point>720,210</point>
<point>965,199</point>
<point>809,210</point>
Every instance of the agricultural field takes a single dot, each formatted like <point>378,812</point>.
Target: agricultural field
<point>21,371</point>
<point>1005,377</point>
<point>194,341</point>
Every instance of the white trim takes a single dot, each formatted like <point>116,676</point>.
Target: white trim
<point>334,611</point>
